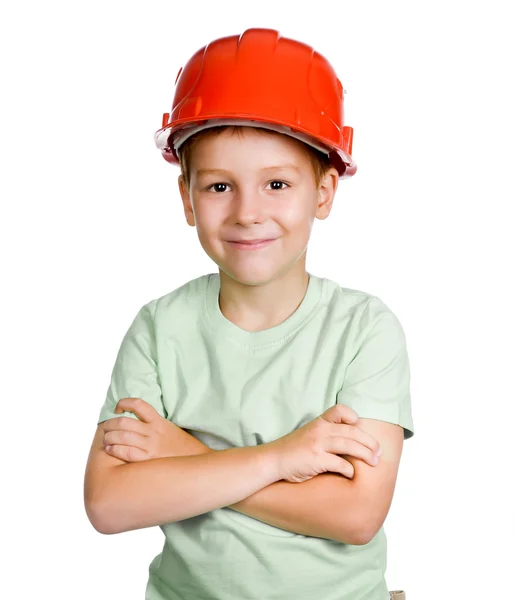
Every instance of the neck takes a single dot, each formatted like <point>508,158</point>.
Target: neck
<point>265,304</point>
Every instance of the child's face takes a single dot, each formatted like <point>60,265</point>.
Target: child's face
<point>255,193</point>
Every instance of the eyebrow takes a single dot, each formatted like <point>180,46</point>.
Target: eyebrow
<point>273,168</point>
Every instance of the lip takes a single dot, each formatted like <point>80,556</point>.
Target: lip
<point>253,245</point>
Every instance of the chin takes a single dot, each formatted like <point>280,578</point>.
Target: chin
<point>253,275</point>
<point>252,278</point>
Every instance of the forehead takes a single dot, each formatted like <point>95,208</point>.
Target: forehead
<point>250,146</point>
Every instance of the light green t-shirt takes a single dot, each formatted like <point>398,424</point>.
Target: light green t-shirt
<point>231,388</point>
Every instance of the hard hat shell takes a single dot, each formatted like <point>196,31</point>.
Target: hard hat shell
<point>260,77</point>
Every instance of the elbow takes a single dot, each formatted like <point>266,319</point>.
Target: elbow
<point>95,518</point>
<point>94,511</point>
<point>363,537</point>
<point>100,520</point>
<point>366,531</point>
<point>100,514</point>
<point>356,535</point>
<point>365,527</point>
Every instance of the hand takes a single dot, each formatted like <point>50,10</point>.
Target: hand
<point>152,436</point>
<point>314,448</point>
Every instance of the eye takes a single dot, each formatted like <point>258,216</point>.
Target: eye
<point>217,187</point>
<point>280,183</point>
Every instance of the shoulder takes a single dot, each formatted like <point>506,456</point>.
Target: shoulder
<point>188,291</point>
<point>186,299</point>
<point>360,314</point>
<point>361,306</point>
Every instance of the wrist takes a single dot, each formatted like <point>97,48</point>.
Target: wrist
<point>270,460</point>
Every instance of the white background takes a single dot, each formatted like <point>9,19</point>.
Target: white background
<point>93,228</point>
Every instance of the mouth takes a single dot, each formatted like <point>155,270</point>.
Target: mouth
<point>250,244</point>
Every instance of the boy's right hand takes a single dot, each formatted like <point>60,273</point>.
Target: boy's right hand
<point>313,448</point>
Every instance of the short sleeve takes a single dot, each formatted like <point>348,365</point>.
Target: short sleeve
<point>377,379</point>
<point>135,373</point>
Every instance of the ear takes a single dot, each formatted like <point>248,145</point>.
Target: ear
<point>186,201</point>
<point>326,193</point>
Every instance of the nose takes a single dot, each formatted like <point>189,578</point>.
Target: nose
<point>248,206</point>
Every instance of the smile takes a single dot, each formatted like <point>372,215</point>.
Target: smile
<point>250,247</point>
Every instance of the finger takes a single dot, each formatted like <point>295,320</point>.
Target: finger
<point>336,464</point>
<point>126,424</point>
<point>355,433</point>
<point>340,413</point>
<point>144,411</point>
<point>127,453</point>
<point>347,414</point>
<point>349,447</point>
<point>126,438</point>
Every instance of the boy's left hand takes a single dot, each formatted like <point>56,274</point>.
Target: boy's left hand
<point>150,437</point>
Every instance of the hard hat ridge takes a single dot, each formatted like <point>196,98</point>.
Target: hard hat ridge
<point>260,79</point>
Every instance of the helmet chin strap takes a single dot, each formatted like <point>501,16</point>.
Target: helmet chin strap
<point>182,135</point>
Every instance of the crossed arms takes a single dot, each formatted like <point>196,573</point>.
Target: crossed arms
<point>328,506</point>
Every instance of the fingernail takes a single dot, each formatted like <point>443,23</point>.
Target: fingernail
<point>107,448</point>
<point>379,453</point>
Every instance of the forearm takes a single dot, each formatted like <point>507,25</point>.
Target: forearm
<point>323,507</point>
<point>164,490</point>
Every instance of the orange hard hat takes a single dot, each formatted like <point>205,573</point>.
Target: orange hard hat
<point>262,79</point>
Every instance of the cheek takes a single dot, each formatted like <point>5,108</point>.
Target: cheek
<point>297,218</point>
<point>208,217</point>
<point>209,226</point>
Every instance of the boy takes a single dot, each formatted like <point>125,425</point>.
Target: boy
<point>267,407</point>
